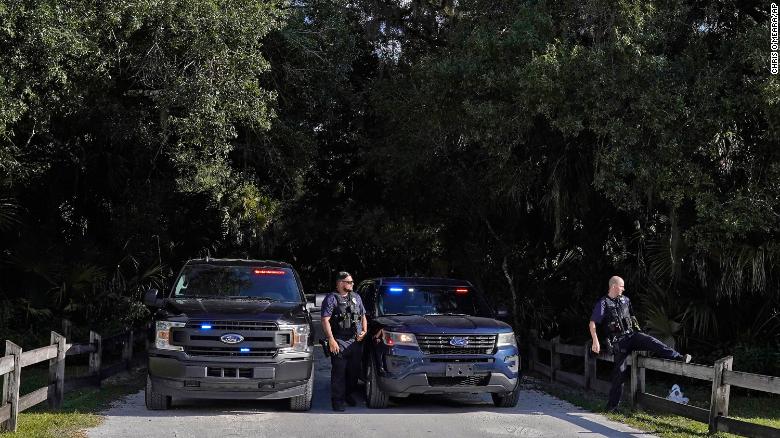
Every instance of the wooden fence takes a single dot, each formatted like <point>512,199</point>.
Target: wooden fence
<point>720,374</point>
<point>15,359</point>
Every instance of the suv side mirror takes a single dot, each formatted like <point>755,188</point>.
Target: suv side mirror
<point>502,312</point>
<point>151,298</point>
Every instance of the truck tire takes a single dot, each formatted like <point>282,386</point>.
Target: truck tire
<point>154,400</point>
<point>375,397</point>
<point>303,402</point>
<point>507,399</point>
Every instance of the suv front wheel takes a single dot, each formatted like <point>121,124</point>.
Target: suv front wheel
<point>507,399</point>
<point>375,397</point>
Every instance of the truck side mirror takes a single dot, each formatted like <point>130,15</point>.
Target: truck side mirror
<point>151,298</point>
<point>311,303</point>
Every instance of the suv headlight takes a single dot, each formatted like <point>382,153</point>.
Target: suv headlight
<point>506,339</point>
<point>162,336</point>
<point>395,338</point>
<point>299,337</point>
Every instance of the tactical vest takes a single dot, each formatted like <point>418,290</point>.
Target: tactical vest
<point>345,315</point>
<point>618,321</point>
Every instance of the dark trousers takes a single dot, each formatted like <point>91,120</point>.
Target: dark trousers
<point>623,349</point>
<point>344,372</point>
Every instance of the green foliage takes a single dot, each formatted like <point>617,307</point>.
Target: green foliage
<point>536,148</point>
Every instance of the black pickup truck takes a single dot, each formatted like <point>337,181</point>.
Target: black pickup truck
<point>231,329</point>
<point>435,336</point>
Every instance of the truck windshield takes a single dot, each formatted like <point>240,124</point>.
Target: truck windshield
<point>425,300</point>
<point>210,281</point>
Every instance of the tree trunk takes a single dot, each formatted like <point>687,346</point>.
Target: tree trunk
<point>510,281</point>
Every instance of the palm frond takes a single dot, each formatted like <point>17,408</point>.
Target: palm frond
<point>10,214</point>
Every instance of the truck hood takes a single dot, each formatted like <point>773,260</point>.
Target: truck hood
<point>443,324</point>
<point>254,310</point>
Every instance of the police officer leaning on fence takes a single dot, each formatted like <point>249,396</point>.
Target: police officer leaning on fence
<point>345,325</point>
<point>622,336</point>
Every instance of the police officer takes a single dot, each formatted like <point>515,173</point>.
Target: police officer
<point>344,324</point>
<point>622,336</point>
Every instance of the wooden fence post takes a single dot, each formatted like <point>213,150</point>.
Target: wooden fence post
<point>589,371</point>
<point>127,349</point>
<point>637,378</point>
<point>533,349</point>
<point>11,387</point>
<point>95,357</point>
<point>57,372</point>
<point>555,357</point>
<point>719,399</point>
<point>67,326</point>
<point>147,340</point>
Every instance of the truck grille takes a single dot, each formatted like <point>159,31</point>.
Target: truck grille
<point>459,381</point>
<point>236,325</point>
<point>229,352</point>
<point>440,344</point>
<point>243,373</point>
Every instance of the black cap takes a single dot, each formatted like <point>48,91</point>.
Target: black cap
<point>342,275</point>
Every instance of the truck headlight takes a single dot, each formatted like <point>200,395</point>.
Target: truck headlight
<point>162,337</point>
<point>394,338</point>
<point>299,337</point>
<point>506,339</point>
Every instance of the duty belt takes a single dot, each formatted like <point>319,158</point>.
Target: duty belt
<point>620,336</point>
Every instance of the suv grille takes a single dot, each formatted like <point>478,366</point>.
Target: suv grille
<point>440,344</point>
<point>459,381</point>
<point>236,325</point>
<point>229,351</point>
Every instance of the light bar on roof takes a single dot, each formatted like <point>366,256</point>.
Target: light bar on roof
<point>269,272</point>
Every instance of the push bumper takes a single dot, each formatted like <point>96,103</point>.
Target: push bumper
<point>228,379</point>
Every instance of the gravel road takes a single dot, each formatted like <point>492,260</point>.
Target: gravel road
<point>537,415</point>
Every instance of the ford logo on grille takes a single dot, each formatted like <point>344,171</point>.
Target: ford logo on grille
<point>231,338</point>
<point>459,342</point>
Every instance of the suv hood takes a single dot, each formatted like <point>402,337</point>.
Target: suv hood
<point>216,309</point>
<point>443,324</point>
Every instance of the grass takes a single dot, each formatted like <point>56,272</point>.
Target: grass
<point>80,407</point>
<point>745,406</point>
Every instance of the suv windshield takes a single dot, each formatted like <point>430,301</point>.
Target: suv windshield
<point>208,281</point>
<point>426,300</point>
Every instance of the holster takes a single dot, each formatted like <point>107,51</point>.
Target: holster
<point>325,346</point>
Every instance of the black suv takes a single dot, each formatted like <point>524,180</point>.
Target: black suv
<point>435,336</point>
<point>232,329</point>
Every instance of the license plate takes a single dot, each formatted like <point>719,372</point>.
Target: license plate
<point>459,370</point>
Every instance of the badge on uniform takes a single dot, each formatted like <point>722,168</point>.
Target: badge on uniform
<point>354,300</point>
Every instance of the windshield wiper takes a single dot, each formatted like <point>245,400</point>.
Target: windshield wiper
<point>446,313</point>
<point>400,314</point>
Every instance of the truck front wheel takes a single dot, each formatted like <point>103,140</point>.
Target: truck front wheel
<point>303,402</point>
<point>154,400</point>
